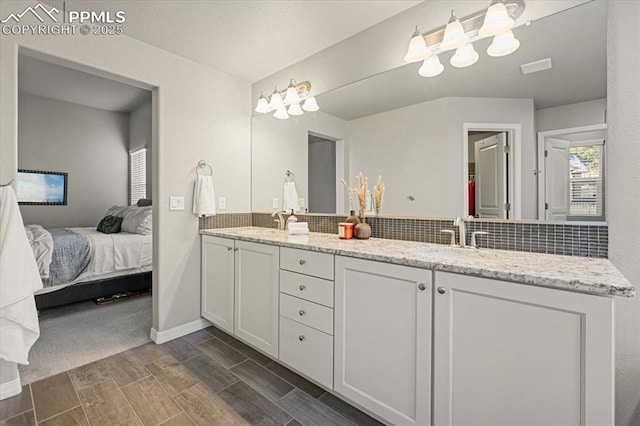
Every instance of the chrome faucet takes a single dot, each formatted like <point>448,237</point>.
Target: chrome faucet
<point>459,222</point>
<point>280,220</point>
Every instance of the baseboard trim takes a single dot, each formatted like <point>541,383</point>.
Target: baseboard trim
<point>9,389</point>
<point>160,337</point>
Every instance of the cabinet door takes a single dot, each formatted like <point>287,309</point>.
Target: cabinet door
<point>256,292</point>
<point>217,281</point>
<point>507,353</point>
<point>382,338</point>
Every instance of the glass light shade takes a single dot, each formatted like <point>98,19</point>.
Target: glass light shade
<point>310,104</point>
<point>418,49</point>
<point>454,36</point>
<point>281,113</point>
<point>431,67</point>
<point>263,105</point>
<point>294,109</point>
<point>291,97</point>
<point>276,100</point>
<point>496,21</point>
<point>503,44</point>
<point>464,56</point>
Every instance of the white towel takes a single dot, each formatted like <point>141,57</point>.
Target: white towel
<point>19,279</point>
<point>204,199</point>
<point>290,197</point>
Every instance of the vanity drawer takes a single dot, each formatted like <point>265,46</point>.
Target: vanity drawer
<point>305,287</point>
<point>308,313</point>
<point>307,262</point>
<point>307,350</point>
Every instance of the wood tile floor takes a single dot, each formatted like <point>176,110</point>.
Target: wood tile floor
<point>205,378</point>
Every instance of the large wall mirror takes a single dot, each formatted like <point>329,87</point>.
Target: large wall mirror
<point>526,146</point>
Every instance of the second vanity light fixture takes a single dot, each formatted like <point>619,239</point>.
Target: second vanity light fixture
<point>497,21</point>
<point>287,102</point>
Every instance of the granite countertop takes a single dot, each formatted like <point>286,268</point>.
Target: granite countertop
<point>583,274</point>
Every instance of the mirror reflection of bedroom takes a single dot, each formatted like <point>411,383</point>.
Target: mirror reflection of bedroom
<point>84,189</point>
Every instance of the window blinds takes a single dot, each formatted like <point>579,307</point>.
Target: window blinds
<point>137,175</point>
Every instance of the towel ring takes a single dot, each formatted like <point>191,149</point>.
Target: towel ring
<point>201,165</point>
<point>289,175</point>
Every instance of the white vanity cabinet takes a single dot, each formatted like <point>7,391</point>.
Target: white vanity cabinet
<point>240,290</point>
<point>382,334</point>
<point>256,295</point>
<point>507,353</point>
<point>218,281</point>
<point>306,313</point>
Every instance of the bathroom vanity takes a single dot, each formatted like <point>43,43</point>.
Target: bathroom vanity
<point>422,334</point>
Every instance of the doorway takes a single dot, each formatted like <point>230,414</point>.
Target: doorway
<point>571,174</point>
<point>324,159</point>
<point>491,177</point>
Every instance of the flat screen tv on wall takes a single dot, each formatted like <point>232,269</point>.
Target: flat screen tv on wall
<point>41,188</point>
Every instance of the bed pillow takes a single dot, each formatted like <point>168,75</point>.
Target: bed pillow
<point>118,211</point>
<point>137,220</point>
<point>143,202</point>
<point>110,224</point>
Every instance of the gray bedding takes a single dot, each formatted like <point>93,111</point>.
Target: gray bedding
<point>71,255</point>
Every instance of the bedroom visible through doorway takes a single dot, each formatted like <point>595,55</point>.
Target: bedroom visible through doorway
<point>99,245</point>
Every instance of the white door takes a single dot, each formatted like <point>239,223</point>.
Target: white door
<point>491,188</point>
<point>256,295</point>
<point>217,281</point>
<point>382,338</point>
<point>556,169</point>
<point>515,354</point>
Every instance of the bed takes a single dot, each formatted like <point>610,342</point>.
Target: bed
<point>81,263</point>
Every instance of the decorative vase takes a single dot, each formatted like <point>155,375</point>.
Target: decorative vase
<point>352,218</point>
<point>362,230</point>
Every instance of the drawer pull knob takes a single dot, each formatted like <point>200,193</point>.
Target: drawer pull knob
<point>301,338</point>
<point>422,287</point>
<point>301,313</point>
<point>229,248</point>
<point>442,290</point>
<point>302,287</point>
<point>302,261</point>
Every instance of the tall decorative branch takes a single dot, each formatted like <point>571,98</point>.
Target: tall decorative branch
<point>362,192</point>
<point>378,195</point>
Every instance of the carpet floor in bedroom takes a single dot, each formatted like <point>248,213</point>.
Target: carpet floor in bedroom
<point>78,334</point>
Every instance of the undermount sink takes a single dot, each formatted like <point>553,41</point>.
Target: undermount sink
<point>449,252</point>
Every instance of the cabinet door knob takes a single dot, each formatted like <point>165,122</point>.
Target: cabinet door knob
<point>301,313</point>
<point>229,248</point>
<point>301,338</point>
<point>302,287</point>
<point>442,290</point>
<point>422,287</point>
<point>302,261</point>
<point>235,249</point>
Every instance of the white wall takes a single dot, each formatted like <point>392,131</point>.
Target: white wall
<point>572,115</point>
<point>408,147</point>
<point>281,145</point>
<point>623,195</point>
<point>87,143</point>
<point>199,113</point>
<point>140,136</point>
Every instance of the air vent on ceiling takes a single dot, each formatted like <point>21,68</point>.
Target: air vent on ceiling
<point>541,65</point>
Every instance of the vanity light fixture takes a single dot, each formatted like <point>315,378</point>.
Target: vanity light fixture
<point>497,21</point>
<point>454,35</point>
<point>293,101</point>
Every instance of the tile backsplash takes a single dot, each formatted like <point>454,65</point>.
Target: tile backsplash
<point>536,237</point>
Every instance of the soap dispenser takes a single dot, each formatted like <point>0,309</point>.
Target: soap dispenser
<point>292,218</point>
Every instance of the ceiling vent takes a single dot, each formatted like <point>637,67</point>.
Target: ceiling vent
<point>531,67</point>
